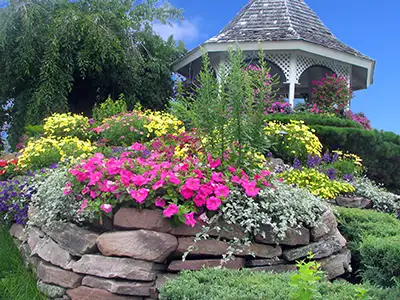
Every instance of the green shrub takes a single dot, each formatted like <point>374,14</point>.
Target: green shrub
<point>314,119</point>
<point>380,259</point>
<point>34,130</point>
<point>220,284</point>
<point>365,229</point>
<point>109,108</point>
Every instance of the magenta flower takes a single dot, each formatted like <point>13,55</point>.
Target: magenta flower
<point>171,210</point>
<point>250,188</point>
<point>139,180</point>
<point>83,206</point>
<point>213,163</point>
<point>186,192</point>
<point>231,169</point>
<point>213,203</point>
<point>199,200</point>
<point>139,195</point>
<point>217,177</point>
<point>107,208</point>
<point>157,185</point>
<point>190,221</point>
<point>221,191</point>
<point>160,202</point>
<point>95,178</point>
<point>206,190</point>
<point>174,180</point>
<point>193,184</point>
<point>138,147</point>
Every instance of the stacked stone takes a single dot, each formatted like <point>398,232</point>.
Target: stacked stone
<point>353,202</point>
<point>142,250</point>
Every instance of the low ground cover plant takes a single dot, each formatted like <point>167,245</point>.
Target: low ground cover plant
<point>221,284</point>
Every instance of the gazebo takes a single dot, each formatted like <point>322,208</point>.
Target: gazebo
<point>297,46</point>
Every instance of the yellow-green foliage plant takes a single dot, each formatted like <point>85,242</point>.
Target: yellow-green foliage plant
<point>294,139</point>
<point>66,124</point>
<point>317,183</point>
<point>46,151</point>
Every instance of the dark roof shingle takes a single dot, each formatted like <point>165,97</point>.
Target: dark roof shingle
<point>280,20</point>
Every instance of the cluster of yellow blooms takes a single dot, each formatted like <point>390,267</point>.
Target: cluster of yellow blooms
<point>67,124</point>
<point>162,123</point>
<point>317,183</point>
<point>48,150</point>
<point>296,137</point>
<point>349,156</point>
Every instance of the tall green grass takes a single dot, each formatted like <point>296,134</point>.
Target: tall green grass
<point>16,282</point>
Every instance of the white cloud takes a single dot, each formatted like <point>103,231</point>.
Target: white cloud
<point>186,31</point>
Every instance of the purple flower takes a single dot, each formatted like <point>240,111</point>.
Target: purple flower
<point>348,177</point>
<point>331,173</point>
<point>297,164</point>
<point>313,161</point>
<point>327,157</point>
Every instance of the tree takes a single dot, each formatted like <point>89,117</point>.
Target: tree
<point>60,55</point>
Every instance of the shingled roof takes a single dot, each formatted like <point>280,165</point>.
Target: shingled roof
<point>280,20</point>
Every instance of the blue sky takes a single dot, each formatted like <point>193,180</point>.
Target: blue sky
<point>369,26</point>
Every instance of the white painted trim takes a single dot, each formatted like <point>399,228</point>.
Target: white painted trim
<point>281,45</point>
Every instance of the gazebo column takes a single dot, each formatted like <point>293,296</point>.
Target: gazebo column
<point>349,76</point>
<point>292,78</point>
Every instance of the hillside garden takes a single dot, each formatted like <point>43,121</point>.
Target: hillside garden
<point>223,150</point>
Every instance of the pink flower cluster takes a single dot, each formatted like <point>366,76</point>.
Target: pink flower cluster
<point>181,187</point>
<point>128,120</point>
<point>360,118</point>
<point>278,108</point>
<point>331,93</point>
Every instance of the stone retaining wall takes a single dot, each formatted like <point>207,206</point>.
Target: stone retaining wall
<point>133,255</point>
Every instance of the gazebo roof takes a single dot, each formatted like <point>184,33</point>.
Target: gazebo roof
<point>292,37</point>
<point>280,20</point>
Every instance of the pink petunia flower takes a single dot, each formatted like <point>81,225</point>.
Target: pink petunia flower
<point>160,202</point>
<point>231,169</point>
<point>171,210</point>
<point>83,206</point>
<point>199,200</point>
<point>193,184</point>
<point>186,192</point>
<point>190,221</point>
<point>221,191</point>
<point>139,195</point>
<point>213,163</point>
<point>206,190</point>
<point>250,188</point>
<point>157,185</point>
<point>174,180</point>
<point>107,208</point>
<point>217,177</point>
<point>137,147</point>
<point>213,203</point>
